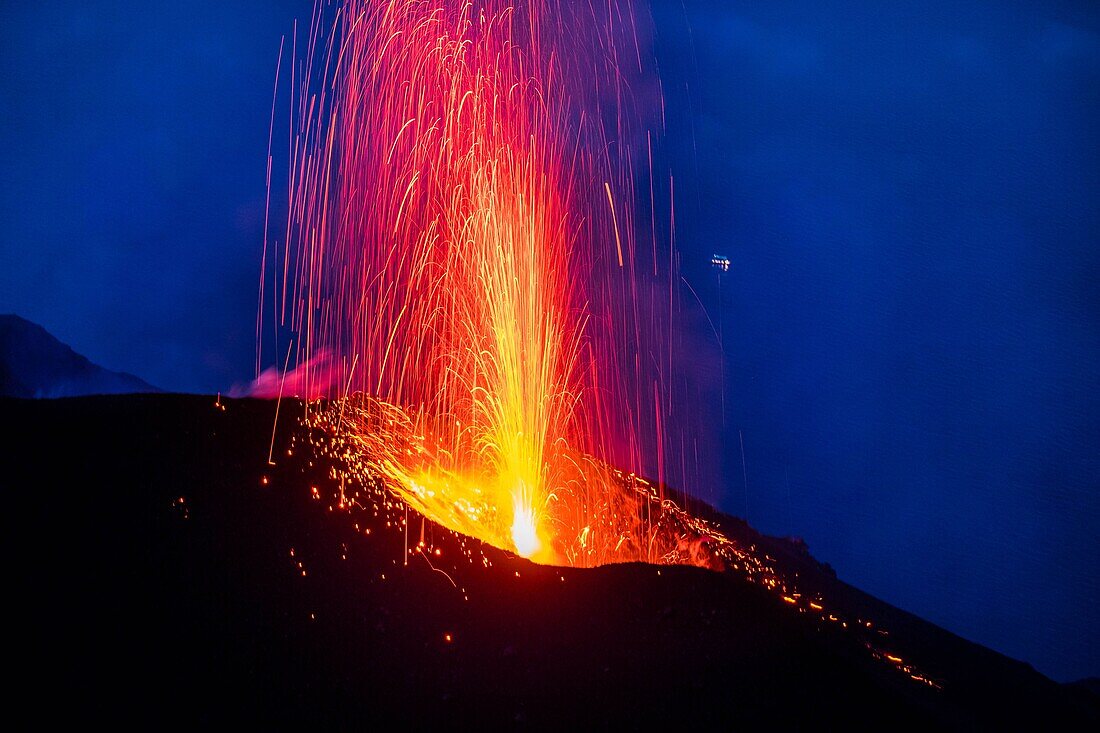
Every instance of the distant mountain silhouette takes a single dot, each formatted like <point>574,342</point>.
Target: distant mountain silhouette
<point>34,364</point>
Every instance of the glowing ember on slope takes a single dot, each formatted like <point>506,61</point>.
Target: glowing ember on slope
<point>626,520</point>
<point>675,537</point>
<point>461,246</point>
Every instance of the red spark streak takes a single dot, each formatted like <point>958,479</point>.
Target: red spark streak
<point>461,247</point>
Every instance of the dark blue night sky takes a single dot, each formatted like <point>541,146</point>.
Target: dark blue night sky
<point>908,193</point>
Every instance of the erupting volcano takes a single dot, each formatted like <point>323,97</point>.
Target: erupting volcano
<point>467,271</point>
<point>479,477</point>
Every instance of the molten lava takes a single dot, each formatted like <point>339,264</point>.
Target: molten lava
<point>462,248</point>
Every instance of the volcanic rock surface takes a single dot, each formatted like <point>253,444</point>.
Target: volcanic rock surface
<point>166,573</point>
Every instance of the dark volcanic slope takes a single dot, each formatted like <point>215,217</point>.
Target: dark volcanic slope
<point>157,579</point>
<point>34,364</point>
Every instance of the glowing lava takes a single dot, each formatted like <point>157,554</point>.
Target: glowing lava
<point>461,249</point>
<point>524,534</point>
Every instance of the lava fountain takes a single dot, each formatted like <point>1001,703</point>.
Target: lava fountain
<point>464,249</point>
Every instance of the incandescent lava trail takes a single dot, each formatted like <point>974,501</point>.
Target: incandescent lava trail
<point>472,266</point>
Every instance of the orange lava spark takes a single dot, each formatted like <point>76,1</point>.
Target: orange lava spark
<point>458,266</point>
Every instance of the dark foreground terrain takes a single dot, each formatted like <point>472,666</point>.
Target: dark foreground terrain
<point>156,579</point>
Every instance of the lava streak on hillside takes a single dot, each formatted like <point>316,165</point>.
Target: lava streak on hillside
<point>359,484</point>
